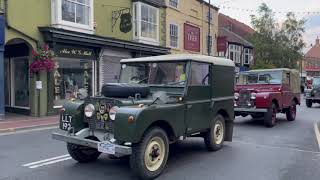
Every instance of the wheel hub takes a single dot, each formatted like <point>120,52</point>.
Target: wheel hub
<point>218,132</point>
<point>154,154</point>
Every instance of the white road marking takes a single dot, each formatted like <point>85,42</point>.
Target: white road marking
<point>316,130</point>
<point>29,130</point>
<point>48,161</point>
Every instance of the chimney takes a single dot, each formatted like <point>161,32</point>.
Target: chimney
<point>317,42</point>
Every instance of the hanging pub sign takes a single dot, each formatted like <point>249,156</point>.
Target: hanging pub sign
<point>222,44</point>
<point>126,23</point>
<point>191,38</point>
<point>74,52</point>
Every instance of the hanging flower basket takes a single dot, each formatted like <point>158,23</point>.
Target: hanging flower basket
<point>42,60</point>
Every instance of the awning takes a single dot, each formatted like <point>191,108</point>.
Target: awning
<point>56,35</point>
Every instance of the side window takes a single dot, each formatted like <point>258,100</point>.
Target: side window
<point>199,74</point>
<point>286,78</point>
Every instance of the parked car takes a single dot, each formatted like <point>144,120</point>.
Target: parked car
<point>158,101</point>
<point>264,93</point>
<point>313,95</point>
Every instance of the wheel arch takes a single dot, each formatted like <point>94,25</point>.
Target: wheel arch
<point>295,99</point>
<point>276,102</point>
<point>165,125</point>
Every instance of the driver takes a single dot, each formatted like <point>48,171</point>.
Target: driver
<point>180,75</point>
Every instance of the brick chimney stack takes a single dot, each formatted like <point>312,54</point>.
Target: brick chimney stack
<point>317,42</point>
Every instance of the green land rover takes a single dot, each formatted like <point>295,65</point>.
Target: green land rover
<point>158,101</point>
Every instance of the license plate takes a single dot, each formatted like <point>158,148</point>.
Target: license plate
<point>66,121</point>
<point>106,147</point>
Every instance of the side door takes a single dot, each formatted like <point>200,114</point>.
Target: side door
<point>198,97</point>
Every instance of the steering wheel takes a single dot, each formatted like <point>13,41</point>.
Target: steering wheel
<point>134,78</point>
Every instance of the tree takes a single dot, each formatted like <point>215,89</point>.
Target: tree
<point>276,45</point>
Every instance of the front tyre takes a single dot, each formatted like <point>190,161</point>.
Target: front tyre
<point>270,116</point>
<point>149,157</point>
<point>82,154</point>
<point>309,103</point>
<point>214,138</point>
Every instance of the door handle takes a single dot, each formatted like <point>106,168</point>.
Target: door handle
<point>211,105</point>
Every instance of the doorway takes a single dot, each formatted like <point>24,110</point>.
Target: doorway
<point>17,82</point>
<point>16,79</point>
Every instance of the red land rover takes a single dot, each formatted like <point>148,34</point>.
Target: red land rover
<point>264,93</point>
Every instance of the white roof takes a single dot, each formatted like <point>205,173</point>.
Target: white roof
<point>277,69</point>
<point>182,57</point>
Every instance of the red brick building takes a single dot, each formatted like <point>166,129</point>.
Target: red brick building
<point>311,61</point>
<point>233,42</point>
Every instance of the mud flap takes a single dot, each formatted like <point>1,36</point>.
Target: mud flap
<point>229,131</point>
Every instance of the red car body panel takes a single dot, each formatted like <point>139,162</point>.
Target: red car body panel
<point>267,93</point>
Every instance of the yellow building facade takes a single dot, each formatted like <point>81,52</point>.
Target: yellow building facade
<point>188,27</point>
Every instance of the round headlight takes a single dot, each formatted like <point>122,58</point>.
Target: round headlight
<point>253,95</point>
<point>113,112</point>
<point>236,96</point>
<point>89,110</point>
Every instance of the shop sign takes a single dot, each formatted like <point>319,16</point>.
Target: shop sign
<point>191,38</point>
<point>74,52</point>
<point>243,68</point>
<point>126,23</point>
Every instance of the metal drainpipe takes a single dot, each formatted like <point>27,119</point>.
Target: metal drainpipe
<point>209,29</point>
<point>2,101</point>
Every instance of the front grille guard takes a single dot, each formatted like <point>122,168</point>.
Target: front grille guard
<point>100,124</point>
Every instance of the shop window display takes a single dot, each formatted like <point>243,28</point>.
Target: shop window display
<point>72,80</point>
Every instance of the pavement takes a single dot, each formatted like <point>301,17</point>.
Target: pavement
<point>289,151</point>
<point>17,123</point>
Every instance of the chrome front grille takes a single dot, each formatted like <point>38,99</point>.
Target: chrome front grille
<point>244,98</point>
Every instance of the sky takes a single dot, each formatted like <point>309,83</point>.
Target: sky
<point>237,9</point>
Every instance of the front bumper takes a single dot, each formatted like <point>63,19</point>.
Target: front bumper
<point>119,149</point>
<point>250,110</point>
<point>312,98</point>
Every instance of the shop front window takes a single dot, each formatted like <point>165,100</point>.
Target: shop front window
<point>73,79</point>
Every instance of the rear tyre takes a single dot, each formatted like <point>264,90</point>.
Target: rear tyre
<point>292,112</point>
<point>270,116</point>
<point>309,103</point>
<point>83,154</point>
<point>149,157</point>
<point>214,138</point>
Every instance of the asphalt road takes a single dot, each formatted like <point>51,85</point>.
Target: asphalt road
<point>289,151</point>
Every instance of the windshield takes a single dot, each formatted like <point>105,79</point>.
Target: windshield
<point>260,78</point>
<point>160,73</point>
<point>316,82</point>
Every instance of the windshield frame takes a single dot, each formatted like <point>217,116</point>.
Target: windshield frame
<point>259,73</point>
<point>188,65</point>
